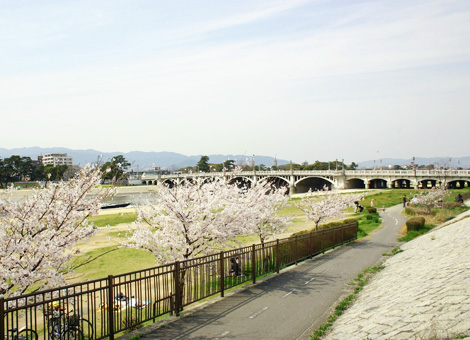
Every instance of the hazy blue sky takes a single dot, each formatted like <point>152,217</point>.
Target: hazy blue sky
<point>303,80</point>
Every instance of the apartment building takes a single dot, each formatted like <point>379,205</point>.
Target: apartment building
<point>55,159</point>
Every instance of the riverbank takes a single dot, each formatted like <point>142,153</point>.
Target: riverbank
<point>422,293</point>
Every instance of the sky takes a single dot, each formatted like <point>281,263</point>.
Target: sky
<point>301,80</point>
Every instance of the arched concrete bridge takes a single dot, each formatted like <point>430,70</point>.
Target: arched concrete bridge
<point>300,181</point>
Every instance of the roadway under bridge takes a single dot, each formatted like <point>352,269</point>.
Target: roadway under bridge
<point>303,181</point>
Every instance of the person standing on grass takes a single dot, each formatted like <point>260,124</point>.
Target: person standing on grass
<point>404,201</point>
<point>235,267</point>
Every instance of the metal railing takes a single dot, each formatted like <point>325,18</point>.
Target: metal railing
<point>105,307</point>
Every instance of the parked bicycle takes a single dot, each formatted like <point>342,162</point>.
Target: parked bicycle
<point>21,334</point>
<point>62,326</point>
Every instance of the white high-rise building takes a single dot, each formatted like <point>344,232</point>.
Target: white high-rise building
<point>55,159</point>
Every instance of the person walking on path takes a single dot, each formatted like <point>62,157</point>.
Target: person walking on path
<point>404,201</point>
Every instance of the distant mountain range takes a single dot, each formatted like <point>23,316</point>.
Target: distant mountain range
<point>140,160</point>
<point>446,162</point>
<point>171,161</point>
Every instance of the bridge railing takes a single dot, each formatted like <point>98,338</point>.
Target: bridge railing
<point>105,307</point>
<point>349,173</point>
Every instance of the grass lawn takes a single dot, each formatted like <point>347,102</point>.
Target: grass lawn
<point>123,260</point>
<point>113,219</point>
<point>112,259</point>
<point>436,215</point>
<point>367,223</point>
<point>109,260</point>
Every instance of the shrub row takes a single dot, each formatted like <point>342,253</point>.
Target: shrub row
<point>418,210</point>
<point>466,195</point>
<point>450,205</point>
<point>325,226</point>
<point>415,223</point>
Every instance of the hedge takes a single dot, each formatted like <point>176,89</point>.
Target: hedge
<point>324,226</point>
<point>415,223</point>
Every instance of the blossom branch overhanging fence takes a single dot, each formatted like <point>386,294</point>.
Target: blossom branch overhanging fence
<point>103,308</point>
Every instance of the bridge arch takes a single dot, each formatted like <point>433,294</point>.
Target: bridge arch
<point>377,183</point>
<point>458,184</point>
<point>402,183</point>
<point>241,181</point>
<point>277,181</point>
<point>428,183</point>
<point>170,183</point>
<point>355,183</point>
<point>304,184</point>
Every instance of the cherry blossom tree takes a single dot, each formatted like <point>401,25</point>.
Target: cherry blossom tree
<point>37,234</point>
<point>325,204</point>
<point>431,197</point>
<point>201,216</point>
<point>266,201</point>
<point>193,218</point>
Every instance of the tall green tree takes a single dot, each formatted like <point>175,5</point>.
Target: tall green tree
<point>353,166</point>
<point>15,169</point>
<point>114,170</point>
<point>203,164</point>
<point>2,173</point>
<point>55,173</point>
<point>228,165</point>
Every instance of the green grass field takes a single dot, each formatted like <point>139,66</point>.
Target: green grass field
<point>113,219</point>
<point>100,263</point>
<point>111,259</point>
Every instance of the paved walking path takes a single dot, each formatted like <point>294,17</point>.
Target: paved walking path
<point>423,292</point>
<point>289,305</point>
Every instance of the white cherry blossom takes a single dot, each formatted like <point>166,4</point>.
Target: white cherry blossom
<point>326,204</point>
<point>37,234</point>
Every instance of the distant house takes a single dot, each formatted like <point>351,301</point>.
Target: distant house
<point>55,159</point>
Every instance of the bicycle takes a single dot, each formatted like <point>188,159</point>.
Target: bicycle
<point>21,334</point>
<point>68,327</point>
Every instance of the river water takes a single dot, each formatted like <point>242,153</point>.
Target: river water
<point>137,195</point>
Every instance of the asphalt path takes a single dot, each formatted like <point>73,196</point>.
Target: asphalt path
<point>289,305</point>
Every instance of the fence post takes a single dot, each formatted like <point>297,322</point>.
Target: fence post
<point>296,255</point>
<point>323,243</point>
<point>342,235</point>
<point>311,247</point>
<point>278,257</point>
<point>111,306</point>
<point>177,288</point>
<point>334,238</point>
<point>2,318</point>
<point>222,274</point>
<point>253,263</point>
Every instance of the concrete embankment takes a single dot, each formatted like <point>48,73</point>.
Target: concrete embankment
<point>423,292</point>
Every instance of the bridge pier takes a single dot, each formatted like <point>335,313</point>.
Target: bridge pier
<point>292,189</point>
<point>340,182</point>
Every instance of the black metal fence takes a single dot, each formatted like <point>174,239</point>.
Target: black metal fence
<point>105,307</point>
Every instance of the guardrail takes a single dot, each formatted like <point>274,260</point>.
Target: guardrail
<point>103,308</point>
